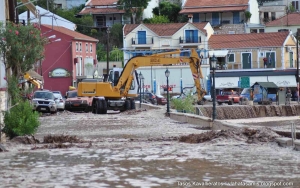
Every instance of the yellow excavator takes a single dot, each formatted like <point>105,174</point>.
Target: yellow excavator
<point>121,87</point>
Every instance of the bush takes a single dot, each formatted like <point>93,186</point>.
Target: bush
<point>20,120</point>
<point>184,105</point>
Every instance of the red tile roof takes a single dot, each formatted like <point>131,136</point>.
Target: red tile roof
<point>167,29</point>
<point>213,9</point>
<point>289,19</point>
<point>101,11</point>
<point>101,2</point>
<point>249,40</point>
<point>71,33</point>
<point>214,3</point>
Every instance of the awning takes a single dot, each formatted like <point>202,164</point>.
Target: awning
<point>254,79</point>
<point>227,82</point>
<point>34,75</point>
<point>218,53</point>
<point>283,81</point>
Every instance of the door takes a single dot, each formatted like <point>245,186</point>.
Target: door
<point>191,36</point>
<point>291,60</point>
<point>271,59</point>
<point>246,60</point>
<point>215,18</point>
<point>236,17</point>
<point>142,37</point>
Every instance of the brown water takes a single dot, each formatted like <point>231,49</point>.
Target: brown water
<point>243,111</point>
<point>163,165</point>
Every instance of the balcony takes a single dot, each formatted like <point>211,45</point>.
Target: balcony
<point>257,65</point>
<point>189,41</point>
<point>142,42</point>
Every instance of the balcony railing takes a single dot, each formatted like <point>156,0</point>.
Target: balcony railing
<point>257,65</point>
<point>190,40</point>
<point>141,41</point>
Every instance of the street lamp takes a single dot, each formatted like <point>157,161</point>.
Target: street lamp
<point>107,54</point>
<point>213,66</point>
<point>167,73</point>
<point>140,78</point>
<point>143,88</point>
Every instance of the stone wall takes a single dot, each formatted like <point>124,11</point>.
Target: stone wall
<point>244,111</point>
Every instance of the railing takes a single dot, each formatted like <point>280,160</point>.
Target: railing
<point>257,65</point>
<point>190,40</point>
<point>141,41</point>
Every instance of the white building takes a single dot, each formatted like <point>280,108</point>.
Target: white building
<point>68,4</point>
<point>48,18</point>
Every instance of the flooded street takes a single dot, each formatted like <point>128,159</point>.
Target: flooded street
<point>141,149</point>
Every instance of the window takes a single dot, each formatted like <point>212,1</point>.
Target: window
<point>76,46</point>
<point>80,48</point>
<point>253,30</point>
<point>58,6</point>
<point>231,32</point>
<point>86,47</point>
<point>79,67</point>
<point>91,47</point>
<point>273,17</point>
<point>261,30</point>
<point>230,58</point>
<point>295,4</point>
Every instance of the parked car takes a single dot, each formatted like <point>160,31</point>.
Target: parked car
<point>60,102</point>
<point>147,97</point>
<point>44,101</point>
<point>208,98</point>
<point>161,100</point>
<point>257,97</point>
<point>228,97</point>
<point>75,103</point>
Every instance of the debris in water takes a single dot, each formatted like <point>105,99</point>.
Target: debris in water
<point>247,135</point>
<point>132,112</point>
<point>61,139</point>
<point>25,140</point>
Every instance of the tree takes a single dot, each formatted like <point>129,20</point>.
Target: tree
<point>170,10</point>
<point>133,8</point>
<point>84,23</point>
<point>157,19</point>
<point>22,46</point>
<point>116,35</point>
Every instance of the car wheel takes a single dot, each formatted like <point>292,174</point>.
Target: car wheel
<point>230,102</point>
<point>54,112</point>
<point>219,103</point>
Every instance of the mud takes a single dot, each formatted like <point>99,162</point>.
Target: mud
<point>247,135</point>
<point>245,111</point>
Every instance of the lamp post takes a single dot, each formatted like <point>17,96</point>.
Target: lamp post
<point>107,54</point>
<point>213,66</point>
<point>140,78</point>
<point>167,73</point>
<point>143,88</point>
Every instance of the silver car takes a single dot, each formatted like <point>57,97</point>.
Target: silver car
<point>44,101</point>
<point>60,102</point>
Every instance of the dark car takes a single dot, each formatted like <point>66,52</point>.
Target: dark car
<point>161,100</point>
<point>147,97</point>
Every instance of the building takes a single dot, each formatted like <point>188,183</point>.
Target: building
<point>290,22</point>
<point>227,17</point>
<point>106,13</point>
<point>68,4</point>
<point>246,53</point>
<point>48,18</point>
<point>68,57</point>
<point>147,39</point>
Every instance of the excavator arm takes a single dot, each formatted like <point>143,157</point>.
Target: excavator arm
<point>161,59</point>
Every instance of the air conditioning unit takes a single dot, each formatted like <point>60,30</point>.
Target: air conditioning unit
<point>288,48</point>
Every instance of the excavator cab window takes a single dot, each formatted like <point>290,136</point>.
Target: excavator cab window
<point>110,76</point>
<point>116,77</point>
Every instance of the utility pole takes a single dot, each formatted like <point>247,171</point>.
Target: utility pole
<point>297,52</point>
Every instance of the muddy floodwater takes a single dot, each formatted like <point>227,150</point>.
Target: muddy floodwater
<point>141,150</point>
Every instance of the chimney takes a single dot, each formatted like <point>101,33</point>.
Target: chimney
<point>190,16</point>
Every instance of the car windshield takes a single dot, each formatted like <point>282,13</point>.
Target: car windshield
<point>43,95</point>
<point>56,95</point>
<point>72,94</point>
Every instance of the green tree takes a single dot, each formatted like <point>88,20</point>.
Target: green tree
<point>170,10</point>
<point>157,19</point>
<point>116,54</point>
<point>133,8</point>
<point>84,23</point>
<point>22,46</point>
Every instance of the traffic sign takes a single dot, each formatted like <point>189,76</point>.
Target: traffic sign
<point>245,82</point>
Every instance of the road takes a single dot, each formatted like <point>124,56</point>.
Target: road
<point>141,149</point>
